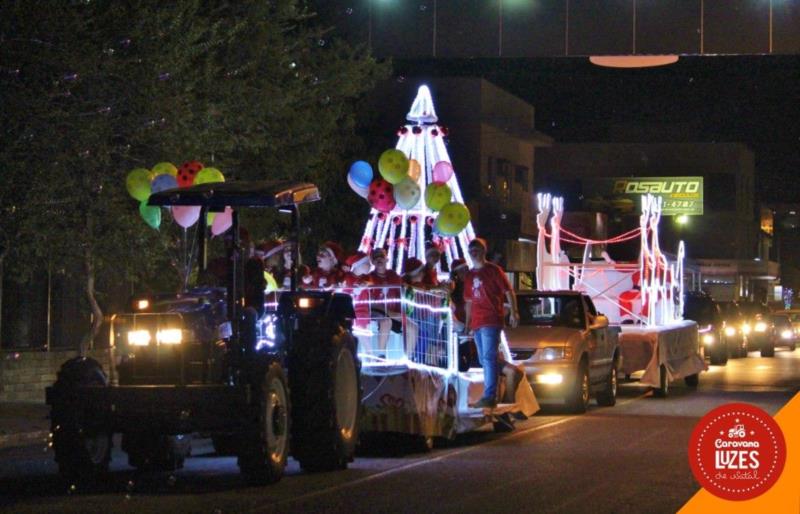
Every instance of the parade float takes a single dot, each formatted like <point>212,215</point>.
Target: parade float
<point>645,297</point>
<point>417,379</point>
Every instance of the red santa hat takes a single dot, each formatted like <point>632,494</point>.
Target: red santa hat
<point>412,266</point>
<point>270,248</point>
<point>356,260</point>
<point>334,250</point>
<point>457,264</point>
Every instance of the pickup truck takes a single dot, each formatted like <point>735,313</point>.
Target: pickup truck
<point>567,348</point>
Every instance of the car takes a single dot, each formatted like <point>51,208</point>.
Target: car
<point>758,327</point>
<point>733,321</point>
<point>701,308</point>
<point>783,331</point>
<point>794,317</point>
<point>567,348</point>
<point>263,385</point>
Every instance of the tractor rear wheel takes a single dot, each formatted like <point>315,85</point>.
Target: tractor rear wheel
<point>326,401</point>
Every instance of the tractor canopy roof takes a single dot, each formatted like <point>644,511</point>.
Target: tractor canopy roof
<point>218,195</point>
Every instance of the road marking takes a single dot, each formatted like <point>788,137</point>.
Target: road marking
<point>425,461</point>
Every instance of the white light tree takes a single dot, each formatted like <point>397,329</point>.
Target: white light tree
<point>405,232</point>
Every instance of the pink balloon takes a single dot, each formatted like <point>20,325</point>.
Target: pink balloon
<point>442,171</point>
<point>222,221</point>
<point>186,215</point>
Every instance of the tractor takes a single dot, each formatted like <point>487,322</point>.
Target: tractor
<point>263,383</point>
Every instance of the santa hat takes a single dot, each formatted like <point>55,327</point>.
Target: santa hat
<point>334,250</point>
<point>356,260</point>
<point>270,248</point>
<point>412,266</point>
<point>457,264</point>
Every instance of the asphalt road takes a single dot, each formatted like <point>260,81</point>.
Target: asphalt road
<point>628,458</point>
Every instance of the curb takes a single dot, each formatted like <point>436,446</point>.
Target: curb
<point>23,439</point>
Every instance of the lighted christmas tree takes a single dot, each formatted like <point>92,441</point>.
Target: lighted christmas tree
<point>418,200</point>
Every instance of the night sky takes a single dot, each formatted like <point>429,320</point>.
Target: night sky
<point>734,92</point>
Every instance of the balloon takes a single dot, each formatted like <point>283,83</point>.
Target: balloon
<point>165,168</point>
<point>222,221</point>
<point>210,218</point>
<point>414,169</point>
<point>442,171</point>
<point>407,193</point>
<point>163,182</point>
<point>393,165</point>
<point>188,172</point>
<point>151,215</point>
<point>208,176</point>
<point>452,219</point>
<point>361,173</point>
<point>138,183</point>
<point>381,195</point>
<point>437,195</point>
<point>360,191</point>
<point>186,215</point>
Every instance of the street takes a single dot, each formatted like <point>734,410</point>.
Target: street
<point>628,458</point>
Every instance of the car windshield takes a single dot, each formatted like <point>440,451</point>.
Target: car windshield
<point>556,311</point>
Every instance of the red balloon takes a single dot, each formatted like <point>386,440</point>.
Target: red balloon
<point>187,172</point>
<point>381,195</point>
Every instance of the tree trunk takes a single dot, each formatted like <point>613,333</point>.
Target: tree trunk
<point>97,312</point>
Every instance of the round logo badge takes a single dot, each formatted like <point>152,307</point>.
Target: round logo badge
<point>737,451</point>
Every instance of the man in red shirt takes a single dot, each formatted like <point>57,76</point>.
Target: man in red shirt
<point>486,287</point>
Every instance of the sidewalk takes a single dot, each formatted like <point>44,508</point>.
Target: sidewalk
<point>22,424</point>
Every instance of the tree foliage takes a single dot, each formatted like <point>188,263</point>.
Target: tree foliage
<point>91,90</point>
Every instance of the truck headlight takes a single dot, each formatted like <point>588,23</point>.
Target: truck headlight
<point>708,338</point>
<point>760,327</point>
<point>169,336</point>
<point>730,331</point>
<point>555,353</point>
<point>138,337</point>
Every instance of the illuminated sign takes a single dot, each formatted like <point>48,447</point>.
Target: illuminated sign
<point>680,195</point>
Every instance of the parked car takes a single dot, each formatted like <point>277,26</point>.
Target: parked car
<point>733,321</point>
<point>783,332</point>
<point>567,348</point>
<point>758,328</point>
<point>701,308</point>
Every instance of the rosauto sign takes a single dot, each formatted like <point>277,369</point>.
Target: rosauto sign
<point>680,195</point>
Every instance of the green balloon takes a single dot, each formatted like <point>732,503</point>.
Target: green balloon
<point>452,219</point>
<point>165,168</point>
<point>138,183</point>
<point>150,214</point>
<point>437,195</point>
<point>393,165</point>
<point>208,176</point>
<point>210,218</point>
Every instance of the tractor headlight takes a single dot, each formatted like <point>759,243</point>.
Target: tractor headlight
<point>730,331</point>
<point>708,338</point>
<point>138,337</point>
<point>760,327</point>
<point>169,336</point>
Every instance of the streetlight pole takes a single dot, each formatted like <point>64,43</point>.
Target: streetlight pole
<point>500,29</point>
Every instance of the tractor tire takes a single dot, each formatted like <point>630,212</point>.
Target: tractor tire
<point>662,391</point>
<point>264,448</point>
<point>156,452</point>
<point>578,400</point>
<point>607,397</point>
<point>326,399</point>
<point>82,450</point>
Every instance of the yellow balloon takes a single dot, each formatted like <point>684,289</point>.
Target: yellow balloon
<point>393,166</point>
<point>437,195</point>
<point>452,219</point>
<point>165,168</point>
<point>414,170</point>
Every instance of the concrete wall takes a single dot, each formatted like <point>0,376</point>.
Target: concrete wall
<point>25,374</point>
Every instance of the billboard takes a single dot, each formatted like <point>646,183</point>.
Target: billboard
<point>680,195</point>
